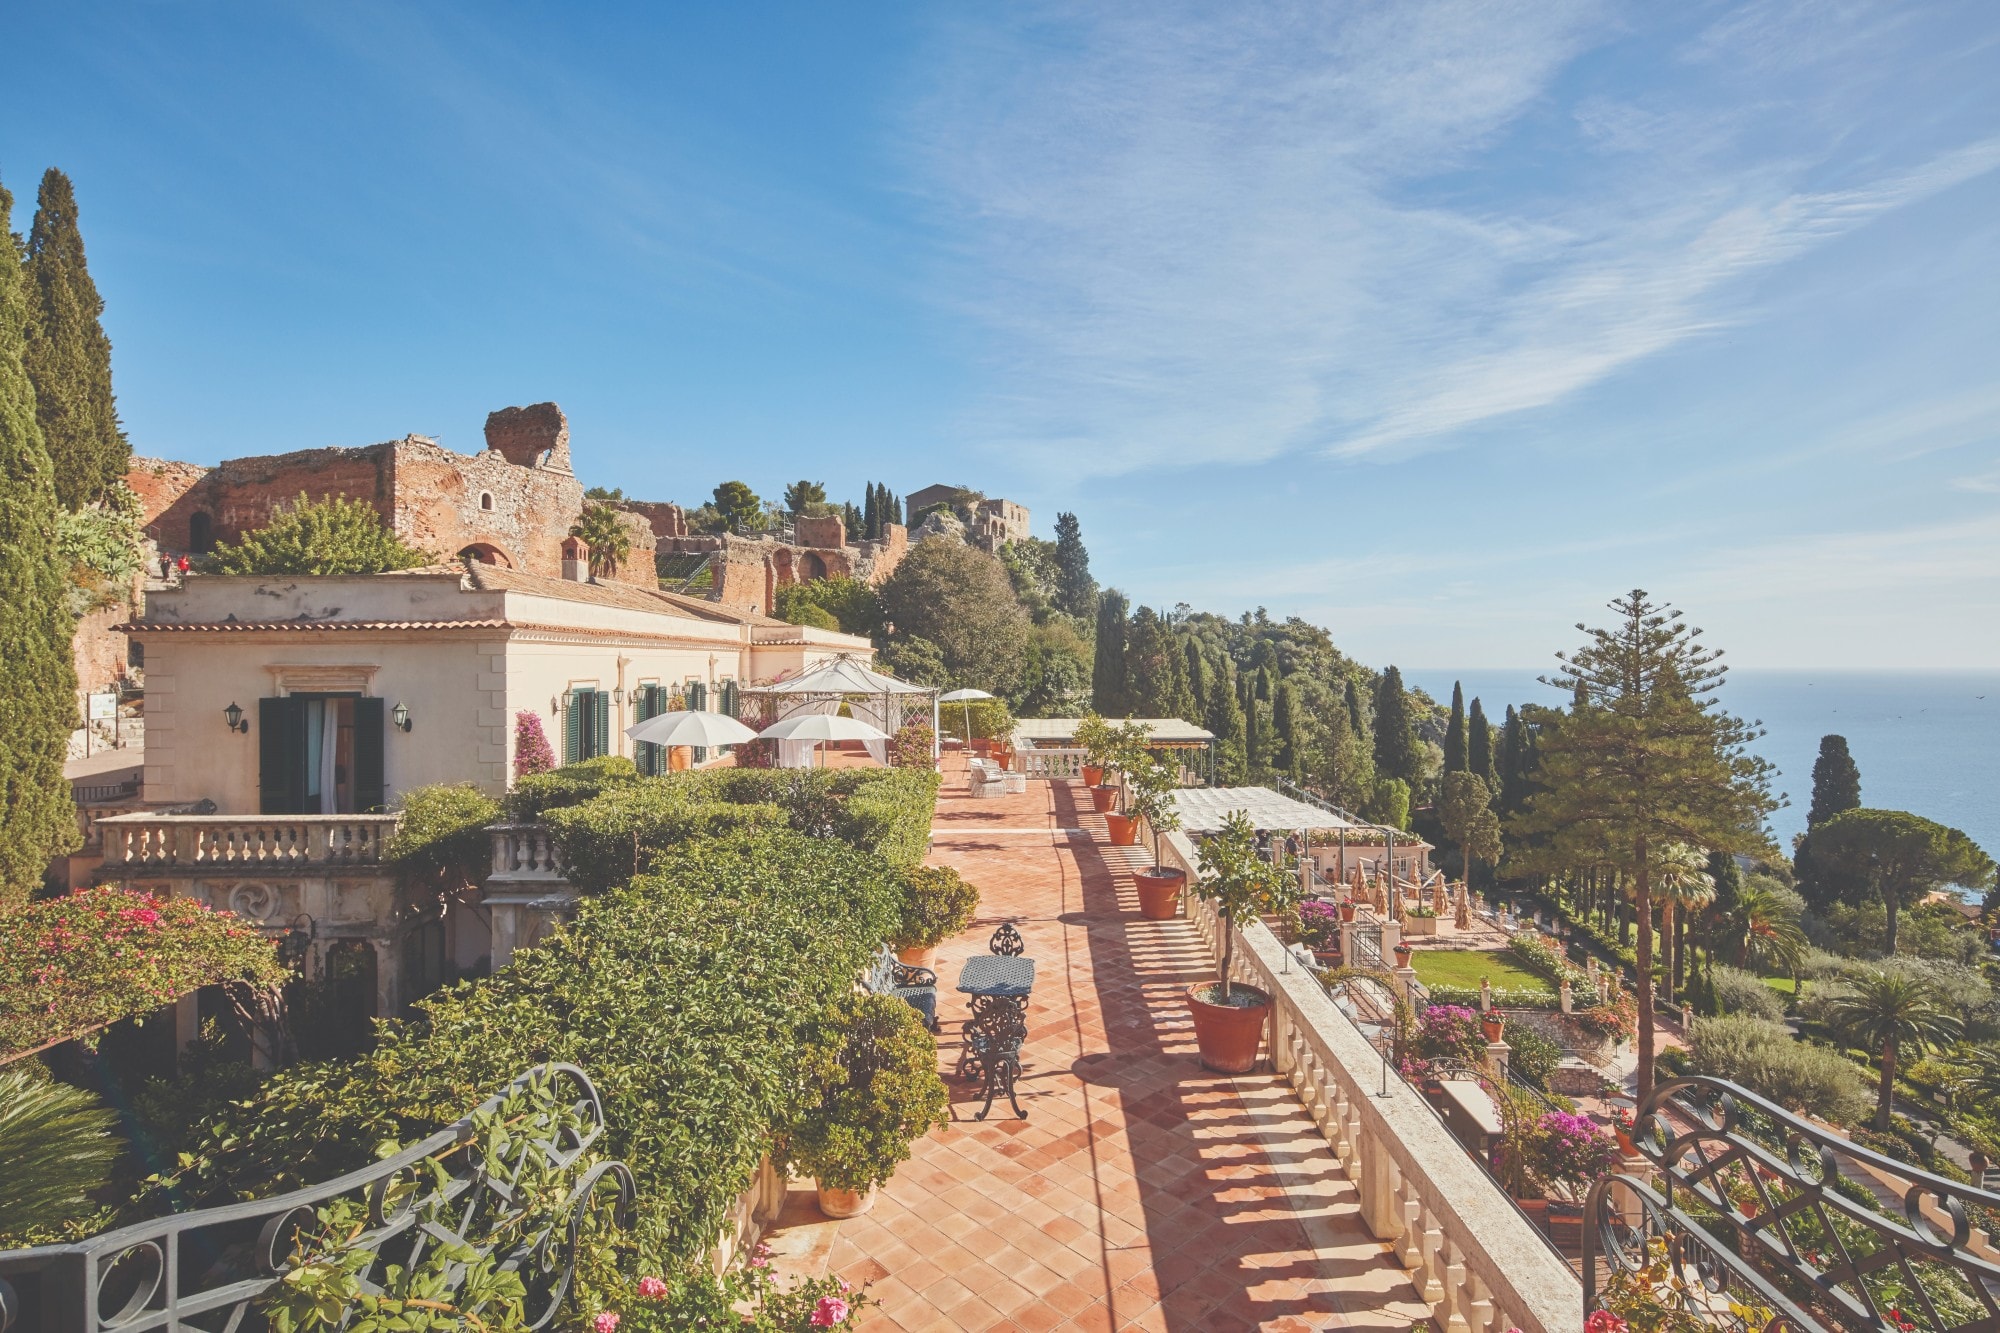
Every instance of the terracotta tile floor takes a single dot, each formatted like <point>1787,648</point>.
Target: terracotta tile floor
<point>1142,1192</point>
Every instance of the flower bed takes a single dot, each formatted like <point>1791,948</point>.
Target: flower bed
<point>71,965</point>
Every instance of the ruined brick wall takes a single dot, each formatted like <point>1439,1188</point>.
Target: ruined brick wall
<point>226,501</point>
<point>98,653</point>
<point>828,531</point>
<point>536,436</point>
<point>447,502</point>
<point>160,483</point>
<point>667,520</point>
<point>877,560</point>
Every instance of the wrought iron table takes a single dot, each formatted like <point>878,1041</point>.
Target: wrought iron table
<point>996,974</point>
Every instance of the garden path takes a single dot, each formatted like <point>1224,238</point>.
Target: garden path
<point>1143,1192</point>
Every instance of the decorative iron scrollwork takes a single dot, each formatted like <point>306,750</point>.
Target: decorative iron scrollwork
<point>445,1196</point>
<point>1776,1219</point>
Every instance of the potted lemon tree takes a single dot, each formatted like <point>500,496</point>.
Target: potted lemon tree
<point>1228,1015</point>
<point>1094,738</point>
<point>1128,756</point>
<point>1160,886</point>
<point>873,1090</point>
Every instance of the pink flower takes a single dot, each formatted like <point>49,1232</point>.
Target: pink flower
<point>844,1288</point>
<point>1603,1321</point>
<point>759,1260</point>
<point>652,1288</point>
<point>831,1310</point>
<point>606,1321</point>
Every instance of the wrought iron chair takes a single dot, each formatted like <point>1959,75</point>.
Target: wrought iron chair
<point>914,986</point>
<point>992,1053</point>
<point>1007,942</point>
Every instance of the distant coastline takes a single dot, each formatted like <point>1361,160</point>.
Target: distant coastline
<point>1924,740</point>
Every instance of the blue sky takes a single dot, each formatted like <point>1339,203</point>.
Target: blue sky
<point>1436,323</point>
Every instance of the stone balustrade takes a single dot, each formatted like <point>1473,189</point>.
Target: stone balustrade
<point>185,842</point>
<point>1053,764</point>
<point>525,854</point>
<point>1473,1257</point>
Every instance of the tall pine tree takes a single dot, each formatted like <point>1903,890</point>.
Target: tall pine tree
<point>1836,781</point>
<point>1454,732</point>
<point>68,356</point>
<point>1285,722</point>
<point>1197,674</point>
<point>1225,718</point>
<point>37,680</point>
<point>1110,692</point>
<point>1355,717</point>
<point>1513,764</point>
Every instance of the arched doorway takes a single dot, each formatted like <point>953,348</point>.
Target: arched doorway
<point>201,532</point>
<point>811,567</point>
<point>486,554</point>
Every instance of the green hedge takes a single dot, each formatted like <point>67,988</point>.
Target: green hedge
<point>605,817</point>
<point>687,995</point>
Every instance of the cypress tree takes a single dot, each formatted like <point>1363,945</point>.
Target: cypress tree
<point>1454,732</point>
<point>1110,692</point>
<point>1285,722</point>
<point>67,356</point>
<point>1255,755</point>
<point>1398,754</point>
<point>871,514</point>
<point>1479,747</point>
<point>1513,764</point>
<point>1076,590</point>
<point>1355,720</point>
<point>1197,675</point>
<point>1231,728</point>
<point>892,507</point>
<point>37,679</point>
<point>1836,781</point>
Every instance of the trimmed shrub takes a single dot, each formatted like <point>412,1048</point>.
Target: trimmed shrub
<point>1534,1056</point>
<point>937,904</point>
<point>626,830</point>
<point>571,785</point>
<point>1765,1058</point>
<point>692,997</point>
<point>443,832</point>
<point>1739,992</point>
<point>878,1091</point>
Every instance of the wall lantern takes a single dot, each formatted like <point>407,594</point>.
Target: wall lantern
<point>234,717</point>
<point>400,715</point>
<point>618,694</point>
<point>296,944</point>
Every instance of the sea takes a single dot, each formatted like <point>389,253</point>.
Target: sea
<point>1925,741</point>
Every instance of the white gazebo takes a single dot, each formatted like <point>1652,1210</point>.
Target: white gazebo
<point>881,701</point>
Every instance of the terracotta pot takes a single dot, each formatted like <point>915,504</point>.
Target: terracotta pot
<point>845,1203</point>
<point>1003,757</point>
<point>1403,952</point>
<point>1160,893</point>
<point>1229,1035</point>
<point>1124,828</point>
<point>1492,1027</point>
<point>923,957</point>
<point>1327,957</point>
<point>1346,911</point>
<point>1625,1145</point>
<point>1103,797</point>
<point>1093,774</point>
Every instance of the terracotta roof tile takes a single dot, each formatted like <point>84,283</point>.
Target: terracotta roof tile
<point>303,626</point>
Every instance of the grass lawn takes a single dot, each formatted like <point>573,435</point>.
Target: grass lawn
<point>1782,985</point>
<point>1464,967</point>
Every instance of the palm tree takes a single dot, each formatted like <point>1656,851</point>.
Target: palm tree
<point>603,531</point>
<point>1979,1082</point>
<point>1886,1010</point>
<point>1763,927</point>
<point>1680,882</point>
<point>57,1143</point>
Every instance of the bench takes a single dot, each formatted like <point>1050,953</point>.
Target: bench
<point>989,779</point>
<point>914,986</point>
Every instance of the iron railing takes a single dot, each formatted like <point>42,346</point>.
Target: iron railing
<point>1757,1214</point>
<point>212,1267</point>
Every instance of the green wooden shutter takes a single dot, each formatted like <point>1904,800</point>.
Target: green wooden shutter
<point>647,705</point>
<point>370,785</point>
<point>728,697</point>
<point>603,723</point>
<point>572,727</point>
<point>281,756</point>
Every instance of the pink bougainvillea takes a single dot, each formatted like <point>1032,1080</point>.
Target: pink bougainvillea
<point>829,1311</point>
<point>652,1288</point>
<point>531,745</point>
<point>72,964</point>
<point>606,1321</point>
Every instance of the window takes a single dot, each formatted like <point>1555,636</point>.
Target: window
<point>650,700</point>
<point>320,754</point>
<point>586,725</point>
<point>486,499</point>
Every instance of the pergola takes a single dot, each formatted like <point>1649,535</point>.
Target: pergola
<point>1357,845</point>
<point>883,701</point>
<point>1162,733</point>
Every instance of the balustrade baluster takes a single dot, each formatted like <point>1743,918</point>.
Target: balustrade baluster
<point>1455,1291</point>
<point>1410,1210</point>
<point>1432,1286</point>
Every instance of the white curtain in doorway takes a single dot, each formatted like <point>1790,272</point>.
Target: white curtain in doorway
<point>329,745</point>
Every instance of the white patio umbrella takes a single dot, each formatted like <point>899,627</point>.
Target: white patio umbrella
<point>965,697</point>
<point>818,727</point>
<point>701,729</point>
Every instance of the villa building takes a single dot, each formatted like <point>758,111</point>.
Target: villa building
<point>286,715</point>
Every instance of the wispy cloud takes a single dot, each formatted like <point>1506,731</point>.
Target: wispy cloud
<point>1233,234</point>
